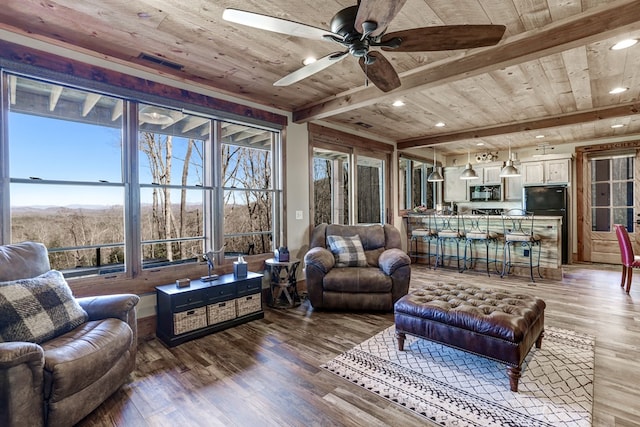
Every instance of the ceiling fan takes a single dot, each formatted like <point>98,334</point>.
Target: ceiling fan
<point>359,28</point>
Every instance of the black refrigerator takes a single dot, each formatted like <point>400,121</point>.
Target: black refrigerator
<point>550,200</point>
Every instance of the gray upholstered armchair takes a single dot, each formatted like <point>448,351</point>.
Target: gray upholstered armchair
<point>81,350</point>
<point>374,283</point>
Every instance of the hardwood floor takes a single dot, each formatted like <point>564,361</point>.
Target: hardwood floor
<point>267,372</point>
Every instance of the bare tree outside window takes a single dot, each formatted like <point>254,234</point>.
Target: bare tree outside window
<point>330,187</point>
<point>248,196</point>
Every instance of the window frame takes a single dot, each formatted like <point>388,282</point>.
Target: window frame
<point>212,227</point>
<point>427,167</point>
<point>354,146</point>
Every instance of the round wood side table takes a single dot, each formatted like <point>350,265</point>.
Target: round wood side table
<point>283,282</point>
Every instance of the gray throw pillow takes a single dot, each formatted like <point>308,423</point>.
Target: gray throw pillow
<point>38,309</point>
<point>347,250</point>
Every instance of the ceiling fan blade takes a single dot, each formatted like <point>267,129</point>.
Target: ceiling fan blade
<point>380,72</point>
<point>308,70</point>
<point>381,12</point>
<point>447,37</point>
<point>276,25</point>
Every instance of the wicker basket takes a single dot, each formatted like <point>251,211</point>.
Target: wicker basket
<point>221,312</point>
<point>248,304</point>
<point>186,321</point>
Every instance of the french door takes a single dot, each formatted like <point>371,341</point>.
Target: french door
<point>612,198</point>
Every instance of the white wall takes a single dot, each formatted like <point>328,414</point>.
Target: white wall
<point>297,188</point>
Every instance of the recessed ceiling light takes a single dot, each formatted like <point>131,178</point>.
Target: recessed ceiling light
<point>618,125</point>
<point>309,60</point>
<point>618,90</point>
<point>624,44</point>
<point>144,15</point>
<point>539,136</point>
<point>398,103</point>
<point>480,144</point>
<point>440,125</point>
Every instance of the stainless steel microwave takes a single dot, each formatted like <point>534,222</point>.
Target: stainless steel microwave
<point>484,193</point>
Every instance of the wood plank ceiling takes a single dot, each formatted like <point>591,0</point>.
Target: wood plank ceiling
<point>551,74</point>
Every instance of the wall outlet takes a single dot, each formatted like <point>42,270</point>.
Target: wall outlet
<point>299,215</point>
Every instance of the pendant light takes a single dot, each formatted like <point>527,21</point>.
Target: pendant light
<point>509,170</point>
<point>468,172</point>
<point>435,175</point>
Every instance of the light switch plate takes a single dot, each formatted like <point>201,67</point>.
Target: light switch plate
<point>299,215</point>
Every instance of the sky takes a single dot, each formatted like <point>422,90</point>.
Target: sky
<point>52,149</point>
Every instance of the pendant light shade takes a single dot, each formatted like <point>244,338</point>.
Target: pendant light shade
<point>435,176</point>
<point>468,172</point>
<point>509,170</point>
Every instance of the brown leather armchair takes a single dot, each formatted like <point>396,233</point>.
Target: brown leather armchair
<point>60,381</point>
<point>376,286</point>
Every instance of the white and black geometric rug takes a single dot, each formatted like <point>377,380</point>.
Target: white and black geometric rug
<point>454,388</point>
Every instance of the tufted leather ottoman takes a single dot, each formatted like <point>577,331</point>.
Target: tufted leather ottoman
<point>492,323</point>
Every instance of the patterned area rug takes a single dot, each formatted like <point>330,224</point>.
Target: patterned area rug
<point>453,388</point>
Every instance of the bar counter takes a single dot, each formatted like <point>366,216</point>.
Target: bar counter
<point>548,228</point>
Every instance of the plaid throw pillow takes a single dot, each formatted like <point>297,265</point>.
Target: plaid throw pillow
<point>38,309</point>
<point>347,250</point>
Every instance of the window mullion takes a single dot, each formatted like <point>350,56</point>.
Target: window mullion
<point>5,211</point>
<point>132,235</point>
<point>215,204</point>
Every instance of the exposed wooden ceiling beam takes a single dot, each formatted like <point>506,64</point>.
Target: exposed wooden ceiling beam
<point>593,25</point>
<point>528,125</point>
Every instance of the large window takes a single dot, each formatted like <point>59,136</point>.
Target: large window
<point>65,162</point>
<point>171,154</point>
<point>350,184</point>
<point>108,194</point>
<point>248,182</point>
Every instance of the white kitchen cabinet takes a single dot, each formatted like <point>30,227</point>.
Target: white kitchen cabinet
<point>550,171</point>
<point>455,189</point>
<point>513,188</point>
<point>490,175</point>
<point>532,172</point>
<point>558,171</point>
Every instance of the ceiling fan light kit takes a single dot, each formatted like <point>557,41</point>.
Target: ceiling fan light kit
<point>362,27</point>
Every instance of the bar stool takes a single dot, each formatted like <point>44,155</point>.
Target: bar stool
<point>518,231</point>
<point>478,232</point>
<point>451,230</point>
<point>421,231</point>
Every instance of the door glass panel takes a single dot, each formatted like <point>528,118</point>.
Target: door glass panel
<point>600,170</point>
<point>622,168</point>
<point>623,216</point>
<point>612,193</point>
<point>369,192</point>
<point>330,187</point>
<point>600,219</point>
<point>601,194</point>
<point>622,193</point>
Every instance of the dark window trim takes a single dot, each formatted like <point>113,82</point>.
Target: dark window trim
<point>32,63</point>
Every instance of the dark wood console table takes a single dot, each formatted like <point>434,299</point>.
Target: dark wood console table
<point>206,307</point>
